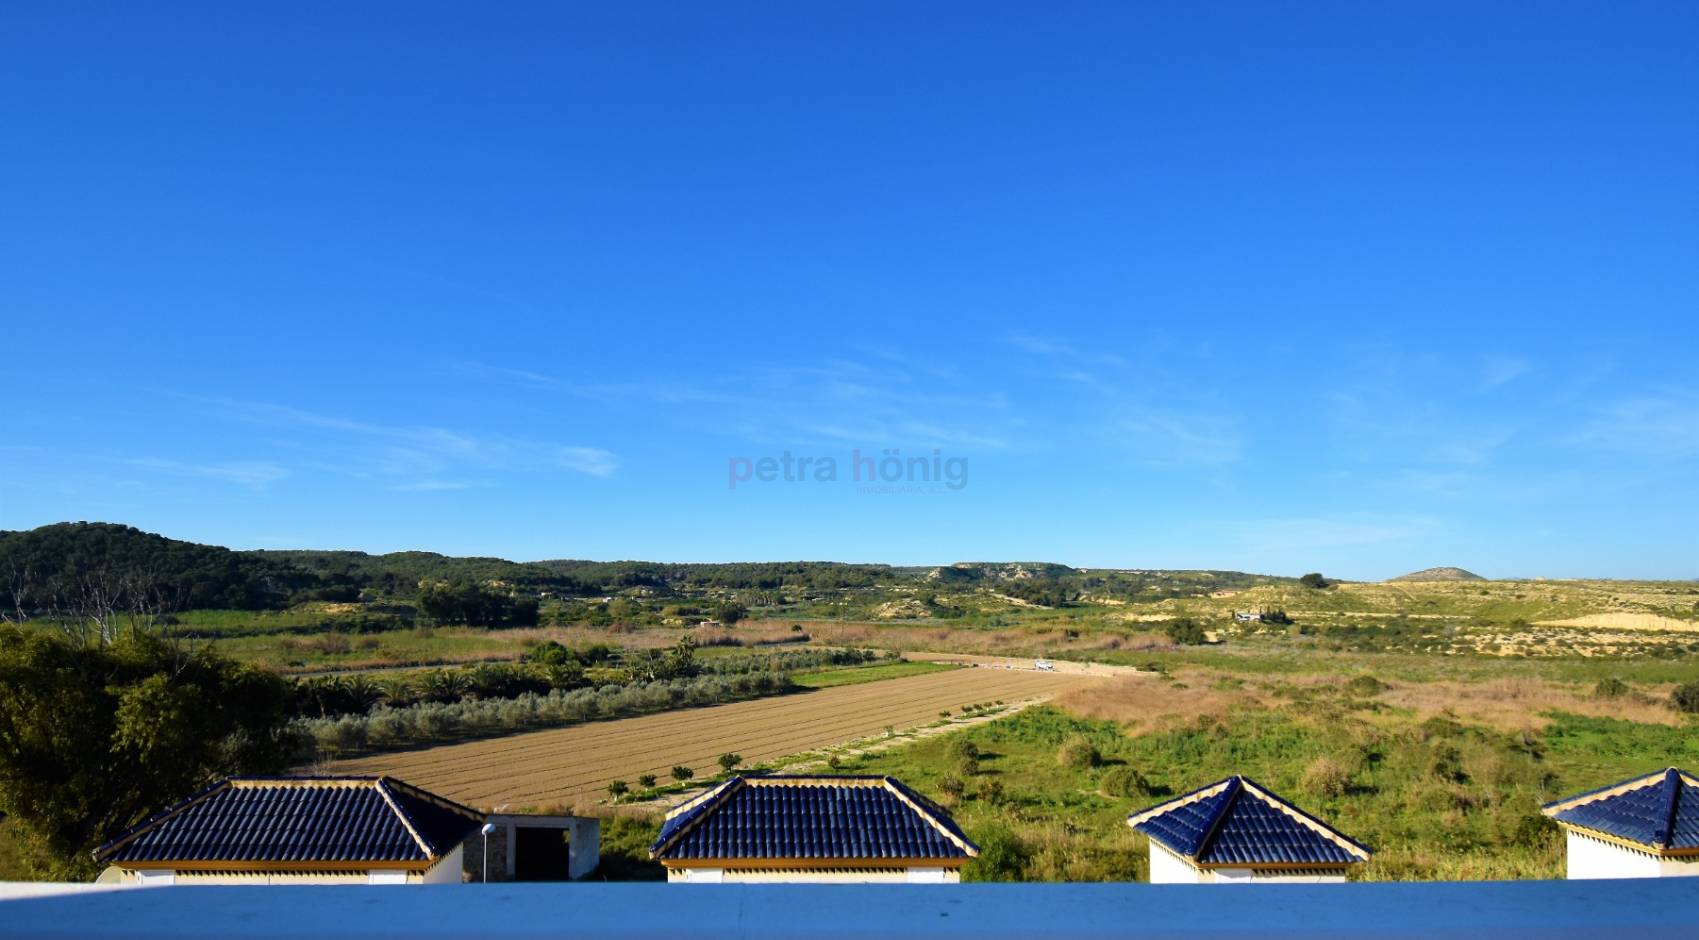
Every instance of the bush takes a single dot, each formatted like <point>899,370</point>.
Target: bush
<point>1610,688</point>
<point>1186,632</point>
<point>646,781</point>
<point>1079,753</point>
<point>1124,781</point>
<point>728,761</point>
<point>1003,856</point>
<point>962,748</point>
<point>991,792</point>
<point>968,767</point>
<point>1315,580</point>
<point>1447,764</point>
<point>1325,777</point>
<point>1685,698</point>
<point>682,773</point>
<point>1365,686</point>
<point>617,788</point>
<point>952,787</point>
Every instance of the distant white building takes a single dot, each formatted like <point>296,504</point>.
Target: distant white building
<point>1247,616</point>
<point>1235,832</point>
<point>1647,827</point>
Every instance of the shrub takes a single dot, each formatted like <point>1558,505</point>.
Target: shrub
<point>646,781</point>
<point>1003,856</point>
<point>617,788</point>
<point>1325,777</point>
<point>967,766</point>
<point>1125,781</point>
<point>1078,752</point>
<point>728,761</point>
<point>1365,686</point>
<point>1610,688</point>
<point>1685,698</point>
<point>962,748</point>
<point>1446,764</point>
<point>1186,632</point>
<point>991,792</point>
<point>1314,580</point>
<point>952,787</point>
<point>682,773</point>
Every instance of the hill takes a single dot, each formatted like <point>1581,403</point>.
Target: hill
<point>1439,574</point>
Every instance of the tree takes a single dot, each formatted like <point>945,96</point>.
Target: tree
<point>617,789</point>
<point>1315,580</point>
<point>728,761</point>
<point>93,739</point>
<point>646,781</point>
<point>682,773</point>
<point>1186,632</point>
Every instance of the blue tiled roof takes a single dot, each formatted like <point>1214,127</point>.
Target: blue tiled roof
<point>1659,810</point>
<point>807,817</point>
<point>299,819</point>
<point>1237,822</point>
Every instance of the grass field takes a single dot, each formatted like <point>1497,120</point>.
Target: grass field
<point>854,675</point>
<point>573,766</point>
<point>1434,798</point>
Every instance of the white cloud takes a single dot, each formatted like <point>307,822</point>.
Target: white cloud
<point>1501,370</point>
<point>1664,426</point>
<point>1320,532</point>
<point>252,474</point>
<point>591,460</point>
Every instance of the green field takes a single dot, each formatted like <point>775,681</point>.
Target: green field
<point>853,675</point>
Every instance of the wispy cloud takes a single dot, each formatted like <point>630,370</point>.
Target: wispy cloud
<point>252,474</point>
<point>1664,425</point>
<point>591,460</point>
<point>1059,349</point>
<point>1173,438</point>
<point>1501,370</point>
<point>504,374</point>
<point>431,486</point>
<point>1301,534</point>
<point>358,448</point>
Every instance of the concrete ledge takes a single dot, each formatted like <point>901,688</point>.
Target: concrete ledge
<point>1536,910</point>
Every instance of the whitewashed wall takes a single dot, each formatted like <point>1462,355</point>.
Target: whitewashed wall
<point>1596,858</point>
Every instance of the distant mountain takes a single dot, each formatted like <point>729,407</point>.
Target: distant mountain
<point>1439,574</point>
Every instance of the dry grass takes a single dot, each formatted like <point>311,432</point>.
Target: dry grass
<point>1624,622</point>
<point>1517,704</point>
<point>1149,703</point>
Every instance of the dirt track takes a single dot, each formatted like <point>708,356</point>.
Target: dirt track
<point>574,764</point>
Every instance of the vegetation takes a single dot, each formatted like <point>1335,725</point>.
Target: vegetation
<point>1186,632</point>
<point>1435,799</point>
<point>386,728</point>
<point>857,674</point>
<point>94,738</point>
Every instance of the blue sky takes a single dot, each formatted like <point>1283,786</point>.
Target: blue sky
<point>1278,287</point>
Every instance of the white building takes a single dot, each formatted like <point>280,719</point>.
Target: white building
<point>1236,832</point>
<point>297,830</point>
<point>1647,827</point>
<point>800,828</point>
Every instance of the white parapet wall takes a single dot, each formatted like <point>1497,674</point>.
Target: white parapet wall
<point>1514,910</point>
<point>1595,858</point>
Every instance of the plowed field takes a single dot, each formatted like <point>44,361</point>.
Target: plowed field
<point>574,764</point>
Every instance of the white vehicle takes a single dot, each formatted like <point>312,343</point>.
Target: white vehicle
<point>1044,665</point>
